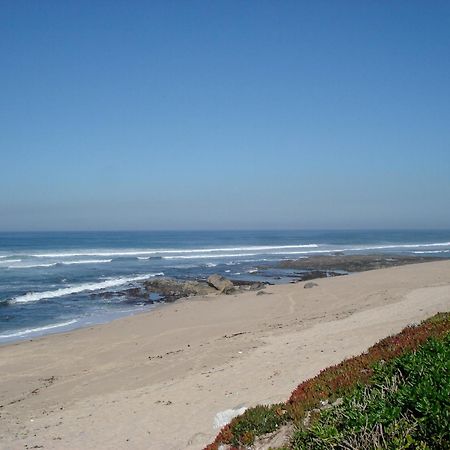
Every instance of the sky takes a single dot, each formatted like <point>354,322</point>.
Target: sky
<point>224,114</point>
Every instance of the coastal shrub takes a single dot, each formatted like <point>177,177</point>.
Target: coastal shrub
<point>334,383</point>
<point>405,405</point>
<point>338,380</point>
<point>256,421</point>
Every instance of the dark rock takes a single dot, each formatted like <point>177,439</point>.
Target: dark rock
<point>172,289</point>
<point>250,285</point>
<point>310,284</point>
<point>315,274</point>
<point>257,286</point>
<point>135,292</point>
<point>107,295</point>
<point>221,283</point>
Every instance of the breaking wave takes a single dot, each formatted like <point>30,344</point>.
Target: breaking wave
<point>168,251</point>
<point>273,249</point>
<point>62,263</point>
<point>421,252</point>
<point>87,261</point>
<point>233,255</point>
<point>85,287</point>
<point>32,266</point>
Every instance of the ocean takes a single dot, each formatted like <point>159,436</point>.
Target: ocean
<point>48,280</point>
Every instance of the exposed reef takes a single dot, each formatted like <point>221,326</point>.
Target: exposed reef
<point>351,263</point>
<point>170,289</point>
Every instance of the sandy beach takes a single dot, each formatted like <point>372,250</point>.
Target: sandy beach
<point>157,380</point>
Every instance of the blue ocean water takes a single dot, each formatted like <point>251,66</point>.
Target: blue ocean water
<point>47,280</point>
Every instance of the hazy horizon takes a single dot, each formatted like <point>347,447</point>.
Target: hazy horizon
<point>218,230</point>
<point>224,115</point>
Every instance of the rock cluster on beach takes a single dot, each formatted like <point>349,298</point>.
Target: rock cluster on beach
<point>222,284</point>
<point>310,284</point>
<point>170,289</point>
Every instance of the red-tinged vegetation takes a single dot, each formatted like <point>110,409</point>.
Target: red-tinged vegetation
<point>335,380</point>
<point>338,380</point>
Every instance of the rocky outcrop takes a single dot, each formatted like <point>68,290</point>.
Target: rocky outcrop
<point>245,285</point>
<point>169,289</point>
<point>351,263</point>
<point>222,284</point>
<point>159,289</point>
<point>314,274</point>
<point>172,289</point>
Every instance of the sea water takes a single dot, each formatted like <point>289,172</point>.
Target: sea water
<point>48,281</point>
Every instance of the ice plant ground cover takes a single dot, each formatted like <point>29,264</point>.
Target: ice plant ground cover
<point>394,396</point>
<point>406,404</point>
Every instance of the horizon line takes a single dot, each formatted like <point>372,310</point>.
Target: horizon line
<point>203,230</point>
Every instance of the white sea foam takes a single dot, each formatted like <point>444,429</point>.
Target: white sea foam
<point>136,252</point>
<point>263,248</point>
<point>420,252</point>
<point>359,249</point>
<point>87,261</point>
<point>37,330</point>
<point>66,263</point>
<point>381,247</point>
<point>231,255</point>
<point>114,282</point>
<point>208,253</point>
<point>311,251</point>
<point>32,266</point>
<point>253,260</point>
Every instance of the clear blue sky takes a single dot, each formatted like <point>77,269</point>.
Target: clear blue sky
<point>224,114</point>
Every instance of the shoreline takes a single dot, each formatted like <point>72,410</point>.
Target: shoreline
<point>115,385</point>
<point>153,292</point>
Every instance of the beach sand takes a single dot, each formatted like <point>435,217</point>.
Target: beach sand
<point>157,380</point>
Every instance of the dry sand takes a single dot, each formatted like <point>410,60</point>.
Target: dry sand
<point>157,380</point>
